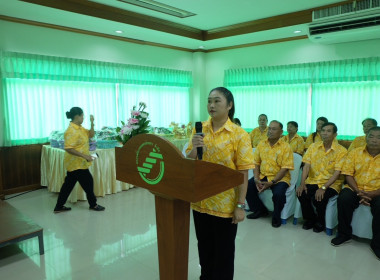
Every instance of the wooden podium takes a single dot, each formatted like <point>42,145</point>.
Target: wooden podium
<point>153,163</point>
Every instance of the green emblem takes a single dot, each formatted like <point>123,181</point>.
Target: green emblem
<point>150,164</point>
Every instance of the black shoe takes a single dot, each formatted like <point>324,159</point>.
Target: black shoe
<point>375,251</point>
<point>61,209</point>
<point>97,208</point>
<point>318,228</point>
<point>308,225</point>
<point>340,240</point>
<point>257,215</point>
<point>276,224</point>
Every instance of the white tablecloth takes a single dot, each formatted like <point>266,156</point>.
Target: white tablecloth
<point>103,171</point>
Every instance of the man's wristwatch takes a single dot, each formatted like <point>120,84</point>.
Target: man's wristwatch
<point>323,188</point>
<point>274,182</point>
<point>240,205</point>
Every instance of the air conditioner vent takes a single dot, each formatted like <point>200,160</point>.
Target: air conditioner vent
<point>348,25</point>
<point>346,9</point>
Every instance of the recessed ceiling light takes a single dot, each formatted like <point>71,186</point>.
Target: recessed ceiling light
<point>297,31</point>
<point>119,31</point>
<point>201,47</point>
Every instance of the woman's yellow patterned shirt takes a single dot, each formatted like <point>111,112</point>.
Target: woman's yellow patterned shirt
<point>229,146</point>
<point>309,140</point>
<point>77,138</point>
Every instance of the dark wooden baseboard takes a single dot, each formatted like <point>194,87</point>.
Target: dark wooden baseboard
<point>22,189</point>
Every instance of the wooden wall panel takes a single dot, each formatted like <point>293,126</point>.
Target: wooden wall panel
<point>20,168</point>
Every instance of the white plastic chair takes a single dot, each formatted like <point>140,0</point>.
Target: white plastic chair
<point>362,222</point>
<point>331,217</point>
<point>289,207</point>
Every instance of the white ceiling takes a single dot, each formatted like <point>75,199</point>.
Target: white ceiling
<point>210,14</point>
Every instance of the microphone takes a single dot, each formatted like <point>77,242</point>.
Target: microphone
<point>198,130</point>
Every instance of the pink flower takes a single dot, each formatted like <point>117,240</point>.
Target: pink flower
<point>133,121</point>
<point>135,113</point>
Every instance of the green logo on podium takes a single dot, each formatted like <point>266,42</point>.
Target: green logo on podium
<point>150,163</point>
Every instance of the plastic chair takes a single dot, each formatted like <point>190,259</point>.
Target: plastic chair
<point>289,207</point>
<point>331,216</point>
<point>362,222</point>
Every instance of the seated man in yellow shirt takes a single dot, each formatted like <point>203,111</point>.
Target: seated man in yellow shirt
<point>362,170</point>
<point>321,178</point>
<point>259,133</point>
<point>360,141</point>
<point>272,158</point>
<point>295,141</point>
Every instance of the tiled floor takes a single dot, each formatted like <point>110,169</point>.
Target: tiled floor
<point>120,243</point>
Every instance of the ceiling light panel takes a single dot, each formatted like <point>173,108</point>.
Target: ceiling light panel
<point>159,7</point>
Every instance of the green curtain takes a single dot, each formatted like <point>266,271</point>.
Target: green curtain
<point>34,108</point>
<point>37,90</point>
<point>31,66</point>
<point>364,69</point>
<point>164,104</point>
<point>344,91</point>
<point>281,103</point>
<point>346,105</point>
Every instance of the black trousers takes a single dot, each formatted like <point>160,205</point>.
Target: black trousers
<point>216,246</point>
<point>85,180</point>
<point>307,199</point>
<point>348,201</point>
<point>279,198</point>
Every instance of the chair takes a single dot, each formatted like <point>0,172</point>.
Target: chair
<point>331,216</point>
<point>362,222</point>
<point>289,207</point>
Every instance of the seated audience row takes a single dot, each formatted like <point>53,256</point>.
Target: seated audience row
<point>325,163</point>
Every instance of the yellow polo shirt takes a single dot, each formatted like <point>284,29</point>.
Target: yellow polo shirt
<point>229,146</point>
<point>76,137</point>
<point>297,144</point>
<point>358,142</point>
<point>256,136</point>
<point>324,164</point>
<point>364,168</point>
<point>272,158</point>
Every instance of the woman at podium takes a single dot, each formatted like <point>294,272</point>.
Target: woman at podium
<point>216,217</point>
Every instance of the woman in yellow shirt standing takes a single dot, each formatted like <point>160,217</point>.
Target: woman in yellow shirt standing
<point>77,160</point>
<point>216,218</point>
<point>316,136</point>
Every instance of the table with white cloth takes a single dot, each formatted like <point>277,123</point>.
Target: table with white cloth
<point>103,171</point>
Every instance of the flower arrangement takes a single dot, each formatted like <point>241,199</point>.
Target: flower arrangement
<point>138,123</point>
<point>182,131</point>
